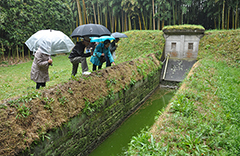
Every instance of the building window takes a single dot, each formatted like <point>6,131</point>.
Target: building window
<point>190,46</point>
<point>173,47</point>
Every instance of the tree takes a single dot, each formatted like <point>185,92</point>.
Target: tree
<point>163,11</point>
<point>33,15</point>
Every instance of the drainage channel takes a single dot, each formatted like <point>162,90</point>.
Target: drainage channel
<point>117,143</point>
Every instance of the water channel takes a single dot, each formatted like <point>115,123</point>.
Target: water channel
<point>117,143</point>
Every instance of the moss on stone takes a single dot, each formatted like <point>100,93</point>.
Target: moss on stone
<point>184,27</point>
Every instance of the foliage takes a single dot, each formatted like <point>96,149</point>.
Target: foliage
<point>111,82</point>
<point>92,107</point>
<point>48,102</point>
<point>20,19</point>
<point>144,143</point>
<point>23,111</point>
<point>132,82</point>
<point>19,104</point>
<point>70,91</point>
<point>63,100</point>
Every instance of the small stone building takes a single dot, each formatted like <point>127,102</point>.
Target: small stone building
<point>182,43</point>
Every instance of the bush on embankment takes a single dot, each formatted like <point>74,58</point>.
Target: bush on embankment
<point>203,117</point>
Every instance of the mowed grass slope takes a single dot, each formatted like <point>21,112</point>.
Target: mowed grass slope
<point>15,80</point>
<point>203,118</point>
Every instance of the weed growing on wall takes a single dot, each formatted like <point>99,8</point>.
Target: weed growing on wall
<point>111,82</point>
<point>63,100</point>
<point>92,107</point>
<point>22,111</point>
<point>111,94</point>
<point>19,104</point>
<point>132,82</point>
<point>47,103</point>
<point>70,90</point>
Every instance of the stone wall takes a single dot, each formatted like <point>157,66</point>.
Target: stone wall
<point>182,46</point>
<point>84,132</point>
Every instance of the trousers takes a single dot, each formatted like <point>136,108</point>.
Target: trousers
<point>75,62</point>
<point>40,85</point>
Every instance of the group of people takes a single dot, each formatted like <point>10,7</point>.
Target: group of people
<point>99,53</point>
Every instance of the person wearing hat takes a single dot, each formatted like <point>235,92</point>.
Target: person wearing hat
<point>77,56</point>
<point>100,53</point>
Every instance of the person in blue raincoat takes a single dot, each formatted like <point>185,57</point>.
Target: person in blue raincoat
<point>101,51</point>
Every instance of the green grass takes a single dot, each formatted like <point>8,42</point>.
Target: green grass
<point>15,80</point>
<point>204,118</point>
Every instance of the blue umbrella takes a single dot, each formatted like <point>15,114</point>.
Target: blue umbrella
<point>101,39</point>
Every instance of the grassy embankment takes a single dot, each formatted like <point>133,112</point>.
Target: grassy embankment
<point>15,80</point>
<point>203,117</point>
<point>26,120</point>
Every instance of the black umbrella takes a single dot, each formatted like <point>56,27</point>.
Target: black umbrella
<point>90,30</point>
<point>119,35</point>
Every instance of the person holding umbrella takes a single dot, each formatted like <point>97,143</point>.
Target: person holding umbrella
<point>113,47</point>
<point>43,44</point>
<point>101,51</point>
<point>40,65</point>
<point>78,56</point>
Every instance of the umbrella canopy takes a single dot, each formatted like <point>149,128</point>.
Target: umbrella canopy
<point>119,35</point>
<point>50,41</point>
<point>101,39</point>
<point>90,30</point>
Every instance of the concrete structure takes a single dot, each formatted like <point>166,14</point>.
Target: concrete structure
<point>181,51</point>
<point>182,44</point>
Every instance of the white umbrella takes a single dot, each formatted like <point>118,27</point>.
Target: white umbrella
<point>50,41</point>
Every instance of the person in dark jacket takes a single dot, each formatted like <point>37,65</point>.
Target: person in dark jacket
<point>78,56</point>
<point>112,48</point>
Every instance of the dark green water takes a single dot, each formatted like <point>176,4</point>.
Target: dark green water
<point>117,143</point>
